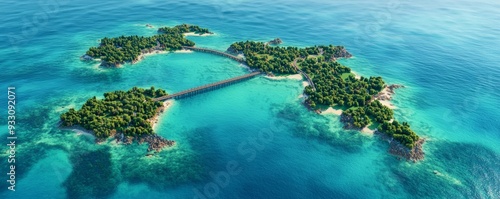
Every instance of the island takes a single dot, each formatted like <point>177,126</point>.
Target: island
<point>124,115</point>
<point>333,85</point>
<point>113,52</point>
<point>330,85</point>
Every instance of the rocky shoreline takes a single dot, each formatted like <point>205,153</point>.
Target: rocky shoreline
<point>399,150</point>
<point>387,92</point>
<point>155,142</point>
<point>343,53</point>
<point>275,41</point>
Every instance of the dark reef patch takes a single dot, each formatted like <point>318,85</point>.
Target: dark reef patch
<point>309,125</point>
<point>455,170</point>
<point>92,175</point>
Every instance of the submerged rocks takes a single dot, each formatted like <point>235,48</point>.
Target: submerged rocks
<point>86,57</point>
<point>393,87</point>
<point>156,142</point>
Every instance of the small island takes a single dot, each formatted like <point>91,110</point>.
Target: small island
<point>112,52</point>
<point>330,85</point>
<point>124,115</point>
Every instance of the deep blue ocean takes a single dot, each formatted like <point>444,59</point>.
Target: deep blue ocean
<point>255,139</point>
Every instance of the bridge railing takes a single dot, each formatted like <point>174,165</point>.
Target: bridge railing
<point>239,59</point>
<point>207,86</point>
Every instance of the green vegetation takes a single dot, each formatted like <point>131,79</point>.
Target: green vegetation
<point>335,85</point>
<point>118,50</point>
<point>400,132</point>
<point>279,59</point>
<point>119,111</point>
<point>362,116</point>
<point>184,28</point>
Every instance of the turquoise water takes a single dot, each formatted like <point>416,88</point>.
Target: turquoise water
<point>445,53</point>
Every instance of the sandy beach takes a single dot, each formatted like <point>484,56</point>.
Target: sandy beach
<point>331,110</point>
<point>387,103</point>
<point>183,51</point>
<point>166,104</point>
<point>356,74</point>
<point>385,96</point>
<point>367,131</point>
<point>294,77</point>
<point>197,35</point>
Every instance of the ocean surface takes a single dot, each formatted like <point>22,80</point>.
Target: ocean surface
<point>255,139</point>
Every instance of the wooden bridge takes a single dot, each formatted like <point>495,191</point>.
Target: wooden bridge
<point>216,52</point>
<point>207,87</point>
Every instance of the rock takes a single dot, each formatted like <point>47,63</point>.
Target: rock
<point>86,57</point>
<point>276,41</point>
<point>396,148</point>
<point>156,142</point>
<point>341,53</point>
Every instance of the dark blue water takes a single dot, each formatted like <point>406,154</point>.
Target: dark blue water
<point>445,53</point>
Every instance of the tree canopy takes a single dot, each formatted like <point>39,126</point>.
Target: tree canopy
<point>118,50</point>
<point>120,111</point>
<point>334,82</point>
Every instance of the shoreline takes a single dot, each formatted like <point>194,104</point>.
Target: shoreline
<point>397,149</point>
<point>79,130</point>
<point>141,57</point>
<point>155,142</point>
<point>292,77</point>
<point>156,118</point>
<point>331,110</point>
<point>197,35</point>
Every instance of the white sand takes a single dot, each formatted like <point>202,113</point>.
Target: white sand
<point>367,131</point>
<point>384,98</point>
<point>198,35</point>
<point>294,77</point>
<point>387,103</point>
<point>331,110</point>
<point>183,51</point>
<point>356,75</point>
<point>166,105</point>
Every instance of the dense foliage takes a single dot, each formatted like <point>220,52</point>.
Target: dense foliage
<point>373,112</point>
<point>278,59</point>
<point>400,132</point>
<point>332,89</point>
<point>119,111</point>
<point>118,50</point>
<point>184,28</point>
<point>334,83</point>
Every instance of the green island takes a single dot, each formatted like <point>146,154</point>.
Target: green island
<point>331,84</point>
<point>129,49</point>
<point>334,85</point>
<point>125,115</point>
